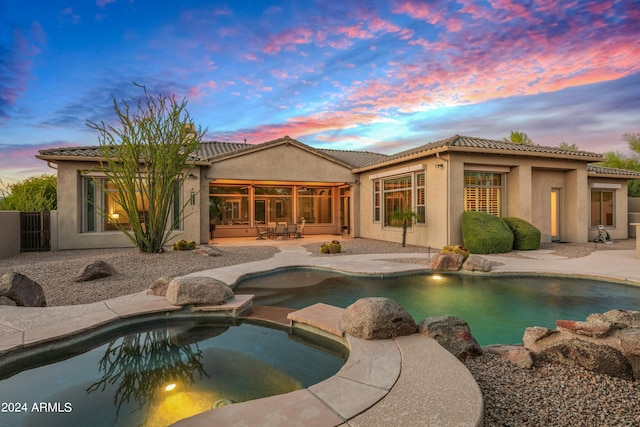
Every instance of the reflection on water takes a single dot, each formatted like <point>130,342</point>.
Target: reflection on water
<point>140,366</point>
<point>497,308</point>
<point>159,376</point>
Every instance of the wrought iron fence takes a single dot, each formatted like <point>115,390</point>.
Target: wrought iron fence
<point>35,231</point>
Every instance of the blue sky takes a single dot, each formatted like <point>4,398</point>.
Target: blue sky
<point>364,75</point>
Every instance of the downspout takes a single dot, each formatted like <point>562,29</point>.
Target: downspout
<point>448,198</point>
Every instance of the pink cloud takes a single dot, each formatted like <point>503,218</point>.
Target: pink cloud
<point>418,10</point>
<point>293,36</point>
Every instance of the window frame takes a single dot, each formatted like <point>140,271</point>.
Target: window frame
<point>602,213</point>
<point>484,192</point>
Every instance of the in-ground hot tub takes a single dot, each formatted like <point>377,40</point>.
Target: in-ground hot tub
<point>159,370</point>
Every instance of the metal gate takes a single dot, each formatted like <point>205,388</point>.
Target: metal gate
<point>35,231</point>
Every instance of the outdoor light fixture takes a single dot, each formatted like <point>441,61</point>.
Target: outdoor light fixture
<point>192,197</point>
<point>439,165</point>
<point>192,176</point>
<point>170,387</point>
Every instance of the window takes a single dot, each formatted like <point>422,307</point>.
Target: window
<point>101,210</point>
<point>399,193</point>
<point>421,198</point>
<point>229,205</point>
<point>397,197</point>
<point>483,192</point>
<point>602,208</point>
<point>314,205</point>
<point>376,201</point>
<point>279,204</point>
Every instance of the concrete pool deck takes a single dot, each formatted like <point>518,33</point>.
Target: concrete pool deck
<point>339,400</point>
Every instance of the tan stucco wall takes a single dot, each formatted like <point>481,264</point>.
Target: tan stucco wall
<point>434,232</point>
<point>280,163</point>
<point>69,225</point>
<point>284,163</point>
<point>10,232</point>
<point>529,182</point>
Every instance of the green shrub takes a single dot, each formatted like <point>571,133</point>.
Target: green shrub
<point>331,248</point>
<point>457,249</point>
<point>526,237</point>
<point>484,233</point>
<point>183,245</point>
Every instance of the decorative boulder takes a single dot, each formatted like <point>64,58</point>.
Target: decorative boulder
<point>198,290</point>
<point>515,354</point>
<point>159,287</point>
<point>21,290</point>
<point>453,334</point>
<point>477,263</point>
<point>208,251</point>
<point>95,270</point>
<point>593,357</point>
<point>7,301</point>
<point>447,262</point>
<point>618,318</point>
<point>377,318</point>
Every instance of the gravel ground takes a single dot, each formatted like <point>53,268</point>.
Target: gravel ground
<point>545,396</point>
<point>55,271</point>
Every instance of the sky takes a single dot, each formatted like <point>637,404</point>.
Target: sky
<point>379,76</point>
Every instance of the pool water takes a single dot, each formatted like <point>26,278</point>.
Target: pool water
<point>497,308</point>
<point>158,376</point>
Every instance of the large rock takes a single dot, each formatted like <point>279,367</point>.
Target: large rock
<point>592,328</point>
<point>618,318</point>
<point>477,263</point>
<point>453,334</point>
<point>447,262</point>
<point>22,290</point>
<point>198,290</point>
<point>377,318</point>
<point>602,359</point>
<point>95,270</point>
<point>159,287</point>
<point>515,354</point>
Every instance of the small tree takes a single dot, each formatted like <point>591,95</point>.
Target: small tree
<point>567,146</point>
<point>34,194</point>
<point>517,137</point>
<point>144,160</point>
<point>404,217</point>
<point>622,161</point>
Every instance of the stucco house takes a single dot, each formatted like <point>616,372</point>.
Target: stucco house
<point>234,186</point>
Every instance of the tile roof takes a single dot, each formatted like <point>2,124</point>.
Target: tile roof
<point>601,170</point>
<point>356,159</point>
<point>367,160</point>
<point>465,143</point>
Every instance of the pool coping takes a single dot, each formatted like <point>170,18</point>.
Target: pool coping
<point>356,394</point>
<point>422,360</point>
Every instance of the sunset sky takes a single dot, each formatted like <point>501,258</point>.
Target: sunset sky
<point>362,75</point>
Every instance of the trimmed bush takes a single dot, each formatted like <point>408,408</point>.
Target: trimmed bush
<point>183,245</point>
<point>484,233</point>
<point>457,249</point>
<point>526,237</point>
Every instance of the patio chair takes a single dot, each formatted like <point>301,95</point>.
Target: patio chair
<point>281,230</point>
<point>299,231</point>
<point>271,228</point>
<point>603,235</point>
<point>260,233</point>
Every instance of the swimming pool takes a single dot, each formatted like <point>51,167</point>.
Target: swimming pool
<point>160,372</point>
<point>497,308</point>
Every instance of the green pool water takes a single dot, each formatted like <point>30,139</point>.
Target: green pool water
<point>497,308</point>
<point>159,374</point>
